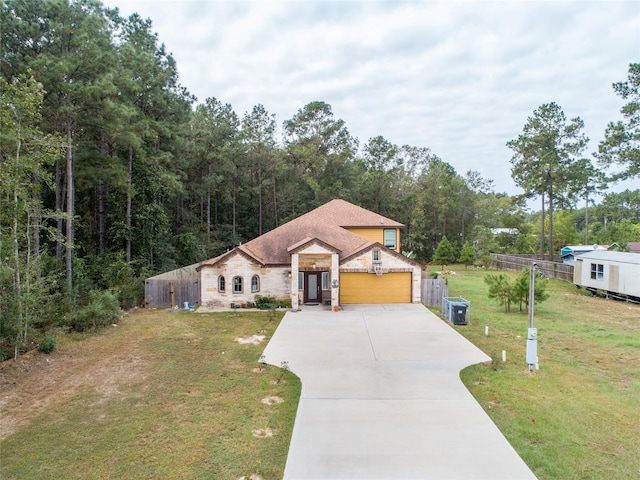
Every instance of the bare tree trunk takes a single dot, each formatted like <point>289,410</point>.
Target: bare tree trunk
<point>209,214</point>
<point>551,222</point>
<point>128,212</point>
<point>542,229</point>
<point>233,210</point>
<point>586,219</point>
<point>16,257</point>
<point>100,201</point>
<point>202,196</point>
<point>209,208</point>
<point>35,243</point>
<point>70,211</point>
<point>275,203</point>
<point>259,196</point>
<point>58,208</point>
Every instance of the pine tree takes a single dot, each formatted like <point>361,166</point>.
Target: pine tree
<point>445,253</point>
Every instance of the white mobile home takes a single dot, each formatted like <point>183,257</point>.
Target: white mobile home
<point>616,273</point>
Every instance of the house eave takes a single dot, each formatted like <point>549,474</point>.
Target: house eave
<point>225,256</point>
<point>308,241</point>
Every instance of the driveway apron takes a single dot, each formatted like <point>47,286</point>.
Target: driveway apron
<point>382,398</point>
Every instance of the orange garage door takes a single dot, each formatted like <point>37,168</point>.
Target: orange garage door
<point>392,287</point>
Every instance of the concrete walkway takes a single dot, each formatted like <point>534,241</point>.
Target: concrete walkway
<point>382,398</point>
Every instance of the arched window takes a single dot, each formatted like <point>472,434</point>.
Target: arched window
<point>255,283</point>
<point>221,283</point>
<point>237,285</point>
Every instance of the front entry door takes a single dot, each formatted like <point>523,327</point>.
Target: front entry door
<point>312,291</point>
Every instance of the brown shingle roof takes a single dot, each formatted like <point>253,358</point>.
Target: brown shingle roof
<point>326,223</point>
<point>344,214</point>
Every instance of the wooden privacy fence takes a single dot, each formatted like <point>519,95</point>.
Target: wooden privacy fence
<point>433,290</point>
<point>170,293</point>
<point>516,263</point>
<point>173,288</point>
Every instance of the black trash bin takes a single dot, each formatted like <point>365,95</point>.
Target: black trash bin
<point>459,313</point>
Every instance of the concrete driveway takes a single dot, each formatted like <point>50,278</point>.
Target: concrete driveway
<point>382,398</point>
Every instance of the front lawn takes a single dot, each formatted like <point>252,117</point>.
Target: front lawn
<point>578,416</point>
<point>163,395</point>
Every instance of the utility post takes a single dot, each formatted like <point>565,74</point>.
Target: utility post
<point>532,332</point>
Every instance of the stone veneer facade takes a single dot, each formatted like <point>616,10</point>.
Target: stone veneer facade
<point>282,282</point>
<point>274,282</point>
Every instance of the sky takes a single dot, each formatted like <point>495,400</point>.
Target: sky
<point>458,77</point>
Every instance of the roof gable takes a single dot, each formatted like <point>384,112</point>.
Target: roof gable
<point>309,242</point>
<point>387,250</point>
<point>228,255</point>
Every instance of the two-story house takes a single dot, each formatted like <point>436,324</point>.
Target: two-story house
<point>338,253</point>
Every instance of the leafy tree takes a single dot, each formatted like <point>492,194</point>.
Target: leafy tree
<point>485,244</point>
<point>25,154</point>
<point>467,254</point>
<point>72,65</point>
<point>564,232</point>
<point>215,131</point>
<point>258,135</point>
<point>443,206</point>
<point>525,242</point>
<point>382,176</point>
<point>500,288</point>
<point>543,157</point>
<point>588,181</point>
<point>445,253</point>
<point>620,231</point>
<point>621,145</point>
<point>321,151</point>
<point>520,290</point>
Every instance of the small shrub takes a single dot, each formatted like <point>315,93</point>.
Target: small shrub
<point>101,310</point>
<point>500,288</point>
<point>284,368</point>
<point>496,363</point>
<point>48,344</point>
<point>283,304</point>
<point>131,293</point>
<point>5,353</point>
<point>265,303</point>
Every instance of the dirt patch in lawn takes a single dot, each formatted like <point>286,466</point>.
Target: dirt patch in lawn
<point>273,400</point>
<point>252,340</point>
<point>37,381</point>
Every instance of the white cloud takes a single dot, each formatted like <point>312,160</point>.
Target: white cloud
<point>459,77</point>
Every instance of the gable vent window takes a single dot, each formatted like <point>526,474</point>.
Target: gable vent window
<point>221,283</point>
<point>597,271</point>
<point>255,283</point>
<point>237,285</point>
<point>376,256</point>
<point>390,238</point>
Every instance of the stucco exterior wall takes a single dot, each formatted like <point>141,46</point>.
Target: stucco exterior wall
<point>376,234</point>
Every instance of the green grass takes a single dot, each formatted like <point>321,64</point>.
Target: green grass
<point>187,412</point>
<point>162,400</point>
<point>578,416</point>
